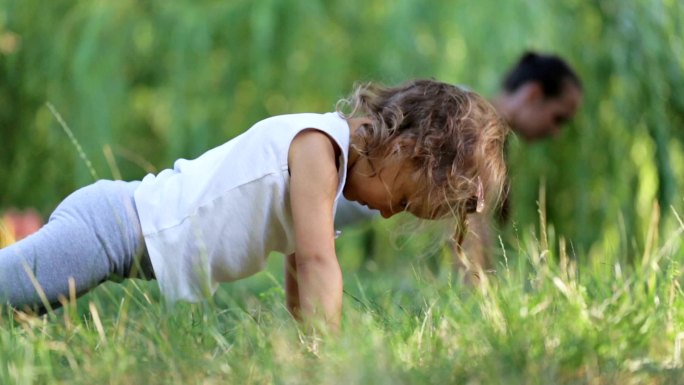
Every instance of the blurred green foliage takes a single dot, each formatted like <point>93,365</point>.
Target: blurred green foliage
<point>155,80</point>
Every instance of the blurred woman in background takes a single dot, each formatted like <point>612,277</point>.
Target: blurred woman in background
<point>538,96</point>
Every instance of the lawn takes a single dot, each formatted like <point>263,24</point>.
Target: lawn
<point>543,317</point>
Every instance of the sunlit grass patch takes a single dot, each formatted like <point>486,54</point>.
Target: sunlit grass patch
<point>543,316</point>
<point>541,321</point>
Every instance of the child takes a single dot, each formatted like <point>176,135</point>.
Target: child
<point>424,147</point>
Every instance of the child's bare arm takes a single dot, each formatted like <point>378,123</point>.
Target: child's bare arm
<point>313,184</point>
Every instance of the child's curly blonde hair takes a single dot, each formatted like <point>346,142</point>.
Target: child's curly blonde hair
<point>452,136</point>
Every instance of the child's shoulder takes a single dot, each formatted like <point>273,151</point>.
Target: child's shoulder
<point>298,121</point>
<point>302,117</point>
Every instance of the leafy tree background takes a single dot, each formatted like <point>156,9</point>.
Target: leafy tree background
<point>151,81</point>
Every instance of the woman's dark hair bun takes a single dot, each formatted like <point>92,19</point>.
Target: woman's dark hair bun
<point>528,56</point>
<point>550,71</point>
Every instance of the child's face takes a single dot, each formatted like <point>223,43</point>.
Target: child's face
<point>392,190</point>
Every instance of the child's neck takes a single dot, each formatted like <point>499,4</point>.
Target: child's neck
<point>355,140</point>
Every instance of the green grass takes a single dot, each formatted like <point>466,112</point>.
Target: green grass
<point>541,318</point>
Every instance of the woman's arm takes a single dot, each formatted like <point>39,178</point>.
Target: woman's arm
<point>313,185</point>
<point>474,257</point>
<point>291,287</point>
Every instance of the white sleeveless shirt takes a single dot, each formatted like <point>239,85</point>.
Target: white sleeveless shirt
<point>216,218</point>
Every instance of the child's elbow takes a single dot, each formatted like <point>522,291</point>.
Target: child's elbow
<point>316,259</point>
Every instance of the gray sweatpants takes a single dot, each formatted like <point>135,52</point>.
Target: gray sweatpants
<point>92,236</point>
